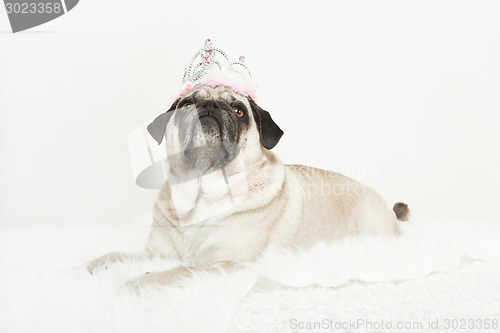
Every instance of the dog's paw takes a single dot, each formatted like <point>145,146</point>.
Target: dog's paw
<point>93,265</point>
<point>141,284</point>
<point>157,280</point>
<point>103,262</point>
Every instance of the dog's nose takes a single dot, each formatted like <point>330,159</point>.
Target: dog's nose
<point>209,106</point>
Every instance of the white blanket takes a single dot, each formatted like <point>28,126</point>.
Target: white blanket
<point>438,275</point>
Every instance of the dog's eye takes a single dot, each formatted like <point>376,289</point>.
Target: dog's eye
<point>238,112</point>
<point>186,105</point>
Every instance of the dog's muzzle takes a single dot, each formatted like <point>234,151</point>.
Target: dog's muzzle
<point>208,136</point>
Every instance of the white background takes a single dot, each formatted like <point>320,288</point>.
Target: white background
<point>403,96</point>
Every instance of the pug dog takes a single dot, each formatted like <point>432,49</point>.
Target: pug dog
<point>228,198</point>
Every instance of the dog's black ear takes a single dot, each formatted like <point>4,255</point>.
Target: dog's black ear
<point>159,125</point>
<point>270,133</point>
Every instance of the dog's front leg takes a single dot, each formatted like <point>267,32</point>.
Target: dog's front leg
<point>171,277</point>
<point>114,257</point>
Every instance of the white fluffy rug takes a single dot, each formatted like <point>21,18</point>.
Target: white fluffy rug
<point>438,275</point>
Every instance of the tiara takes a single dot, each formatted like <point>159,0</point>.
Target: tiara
<point>209,58</point>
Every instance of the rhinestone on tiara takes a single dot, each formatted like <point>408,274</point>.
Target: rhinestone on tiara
<point>210,57</point>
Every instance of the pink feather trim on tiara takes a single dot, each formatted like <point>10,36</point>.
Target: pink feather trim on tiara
<point>220,79</point>
<point>212,67</point>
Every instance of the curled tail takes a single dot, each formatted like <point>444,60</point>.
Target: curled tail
<point>402,211</point>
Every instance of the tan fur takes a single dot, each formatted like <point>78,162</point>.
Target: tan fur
<point>266,204</point>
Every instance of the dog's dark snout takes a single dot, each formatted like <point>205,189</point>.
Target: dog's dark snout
<point>210,105</point>
<point>213,105</point>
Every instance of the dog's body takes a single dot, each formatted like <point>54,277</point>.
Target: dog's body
<point>290,219</point>
<point>220,212</point>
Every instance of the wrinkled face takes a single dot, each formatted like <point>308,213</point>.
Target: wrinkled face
<point>211,123</point>
<point>209,127</point>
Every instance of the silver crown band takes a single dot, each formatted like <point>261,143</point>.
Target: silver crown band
<point>205,59</point>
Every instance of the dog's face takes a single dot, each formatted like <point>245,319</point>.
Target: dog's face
<point>209,127</point>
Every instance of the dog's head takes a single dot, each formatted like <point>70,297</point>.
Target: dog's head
<point>209,127</point>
